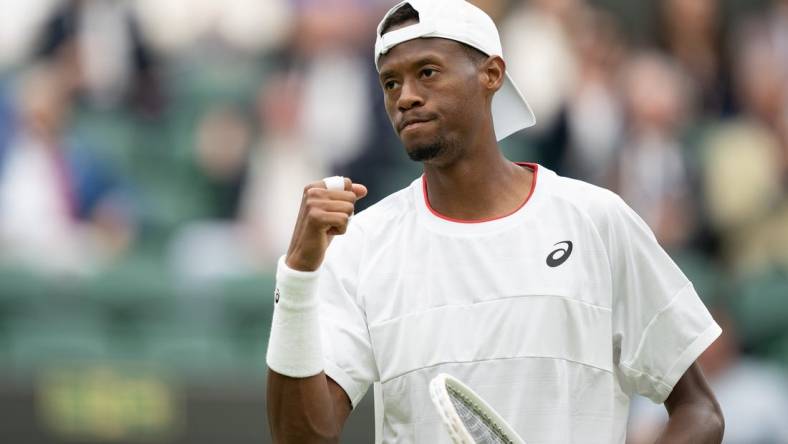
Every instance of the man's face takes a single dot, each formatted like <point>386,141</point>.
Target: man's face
<point>432,96</point>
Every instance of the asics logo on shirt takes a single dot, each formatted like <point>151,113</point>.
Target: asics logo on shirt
<point>560,254</point>
<point>276,296</point>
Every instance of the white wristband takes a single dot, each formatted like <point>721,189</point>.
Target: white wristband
<point>294,348</point>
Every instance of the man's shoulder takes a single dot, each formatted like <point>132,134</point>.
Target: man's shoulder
<point>593,200</point>
<point>604,209</point>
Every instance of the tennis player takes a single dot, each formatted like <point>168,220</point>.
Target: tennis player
<point>548,296</point>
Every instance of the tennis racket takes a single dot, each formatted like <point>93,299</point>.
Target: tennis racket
<point>468,418</point>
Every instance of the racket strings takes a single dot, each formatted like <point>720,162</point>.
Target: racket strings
<point>480,426</point>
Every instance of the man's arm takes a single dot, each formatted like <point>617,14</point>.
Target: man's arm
<point>306,410</point>
<point>695,415</point>
<point>304,405</point>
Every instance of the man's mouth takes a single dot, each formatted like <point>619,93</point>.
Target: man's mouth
<point>412,123</point>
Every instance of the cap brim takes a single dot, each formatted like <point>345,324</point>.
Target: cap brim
<point>511,113</point>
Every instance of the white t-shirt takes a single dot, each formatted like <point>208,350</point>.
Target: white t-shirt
<point>554,314</point>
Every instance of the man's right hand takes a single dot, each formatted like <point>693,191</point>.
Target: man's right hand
<point>324,214</point>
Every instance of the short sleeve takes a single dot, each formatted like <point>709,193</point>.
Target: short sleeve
<point>660,325</point>
<point>347,348</point>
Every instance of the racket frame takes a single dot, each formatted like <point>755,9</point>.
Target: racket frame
<point>439,392</point>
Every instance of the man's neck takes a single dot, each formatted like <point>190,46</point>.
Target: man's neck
<point>482,185</point>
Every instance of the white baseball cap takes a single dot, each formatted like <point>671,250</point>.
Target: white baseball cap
<point>463,22</point>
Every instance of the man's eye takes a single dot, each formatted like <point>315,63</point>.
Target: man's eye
<point>427,72</point>
<point>389,85</point>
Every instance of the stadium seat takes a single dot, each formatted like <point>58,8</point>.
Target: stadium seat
<point>191,353</point>
<point>124,300</point>
<point>37,345</point>
<point>22,294</point>
<point>21,289</point>
<point>247,307</point>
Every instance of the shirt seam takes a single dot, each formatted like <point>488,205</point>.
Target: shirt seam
<point>444,228</point>
<point>342,378</point>
<point>532,189</point>
<point>660,382</point>
<point>700,337</point>
<point>430,309</point>
<point>651,322</point>
<point>470,361</point>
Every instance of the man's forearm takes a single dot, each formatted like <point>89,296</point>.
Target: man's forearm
<point>694,413</point>
<point>301,410</point>
<point>694,423</point>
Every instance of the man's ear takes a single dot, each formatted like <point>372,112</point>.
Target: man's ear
<point>492,72</point>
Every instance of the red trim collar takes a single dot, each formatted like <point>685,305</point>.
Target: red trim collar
<point>532,166</point>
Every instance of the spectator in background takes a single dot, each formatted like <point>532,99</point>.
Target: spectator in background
<point>778,28</point>
<point>175,26</point>
<point>213,245</point>
<point>344,125</point>
<point>103,55</point>
<point>539,40</point>
<point>651,172</point>
<point>595,113</point>
<point>221,157</point>
<point>753,395</point>
<point>312,113</point>
<point>60,208</point>
<point>691,32</point>
<point>545,67</point>
<point>496,9</point>
<point>745,160</point>
<point>280,165</point>
<point>331,53</point>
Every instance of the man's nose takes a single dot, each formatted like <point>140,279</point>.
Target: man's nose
<point>410,96</point>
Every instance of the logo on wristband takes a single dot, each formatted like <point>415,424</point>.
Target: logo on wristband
<point>276,296</point>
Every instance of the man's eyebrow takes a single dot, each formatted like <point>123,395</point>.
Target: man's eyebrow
<point>426,60</point>
<point>385,74</point>
<point>421,61</point>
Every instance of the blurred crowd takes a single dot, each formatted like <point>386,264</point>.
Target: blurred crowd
<point>183,131</point>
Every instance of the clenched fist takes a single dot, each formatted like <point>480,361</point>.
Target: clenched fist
<point>324,213</point>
